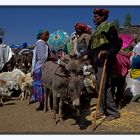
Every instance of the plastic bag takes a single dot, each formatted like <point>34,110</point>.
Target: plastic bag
<point>132,89</point>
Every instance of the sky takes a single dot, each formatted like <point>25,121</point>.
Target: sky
<point>22,23</point>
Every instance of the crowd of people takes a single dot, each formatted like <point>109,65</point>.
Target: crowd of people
<point>104,43</point>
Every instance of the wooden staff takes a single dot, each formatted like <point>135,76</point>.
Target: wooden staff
<point>99,94</point>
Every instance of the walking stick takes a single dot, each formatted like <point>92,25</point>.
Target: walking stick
<point>99,94</point>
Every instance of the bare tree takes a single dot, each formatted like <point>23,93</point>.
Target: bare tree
<point>127,22</point>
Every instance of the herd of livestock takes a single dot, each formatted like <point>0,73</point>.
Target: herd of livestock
<point>64,81</point>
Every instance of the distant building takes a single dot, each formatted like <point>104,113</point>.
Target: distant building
<point>136,26</point>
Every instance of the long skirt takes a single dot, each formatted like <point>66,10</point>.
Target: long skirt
<point>38,90</point>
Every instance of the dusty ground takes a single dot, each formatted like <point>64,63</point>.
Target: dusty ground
<point>18,117</point>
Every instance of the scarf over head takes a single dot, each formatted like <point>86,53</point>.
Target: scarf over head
<point>84,27</point>
<point>136,49</point>
<point>40,33</point>
<point>101,12</point>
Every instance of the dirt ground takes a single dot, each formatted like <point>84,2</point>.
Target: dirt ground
<point>17,117</point>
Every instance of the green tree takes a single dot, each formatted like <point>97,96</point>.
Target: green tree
<point>116,23</point>
<point>2,31</point>
<point>127,22</point>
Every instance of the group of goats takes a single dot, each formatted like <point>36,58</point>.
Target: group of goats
<point>22,59</point>
<point>15,81</point>
<point>64,81</point>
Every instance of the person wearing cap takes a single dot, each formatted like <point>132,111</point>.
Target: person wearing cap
<point>80,39</point>
<point>40,55</point>
<point>104,45</point>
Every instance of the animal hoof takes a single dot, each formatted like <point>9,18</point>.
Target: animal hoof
<point>54,117</point>
<point>46,110</point>
<point>39,109</point>
<point>32,102</point>
<point>1,104</point>
<point>61,121</point>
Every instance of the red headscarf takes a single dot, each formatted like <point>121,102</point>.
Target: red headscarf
<point>80,26</point>
<point>88,29</point>
<point>84,27</point>
<point>101,11</point>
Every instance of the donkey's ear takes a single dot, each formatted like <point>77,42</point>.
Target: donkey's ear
<point>83,58</point>
<point>66,59</point>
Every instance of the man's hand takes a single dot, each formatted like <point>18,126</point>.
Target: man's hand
<point>103,54</point>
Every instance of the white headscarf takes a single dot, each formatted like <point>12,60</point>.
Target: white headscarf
<point>136,49</point>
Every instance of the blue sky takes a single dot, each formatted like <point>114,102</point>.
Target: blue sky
<point>21,23</point>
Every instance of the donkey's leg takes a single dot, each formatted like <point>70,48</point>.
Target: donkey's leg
<point>45,99</point>
<point>60,111</point>
<point>54,104</point>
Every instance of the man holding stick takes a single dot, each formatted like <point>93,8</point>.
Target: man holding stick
<point>104,46</point>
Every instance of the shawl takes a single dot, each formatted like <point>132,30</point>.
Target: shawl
<point>99,38</point>
<point>35,64</point>
<point>5,55</point>
<point>122,64</point>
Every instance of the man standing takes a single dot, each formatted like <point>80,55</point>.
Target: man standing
<point>6,55</point>
<point>104,45</point>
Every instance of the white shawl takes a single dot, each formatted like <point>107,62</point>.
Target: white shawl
<point>35,64</point>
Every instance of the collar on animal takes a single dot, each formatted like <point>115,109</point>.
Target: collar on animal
<point>60,71</point>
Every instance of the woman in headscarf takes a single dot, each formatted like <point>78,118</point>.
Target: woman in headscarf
<point>80,39</point>
<point>40,55</point>
<point>135,62</point>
